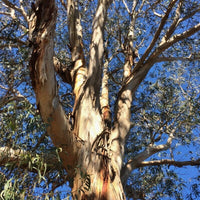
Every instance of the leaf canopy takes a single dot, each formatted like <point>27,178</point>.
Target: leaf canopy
<point>167,102</point>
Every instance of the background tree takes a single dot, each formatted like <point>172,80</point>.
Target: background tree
<point>120,114</point>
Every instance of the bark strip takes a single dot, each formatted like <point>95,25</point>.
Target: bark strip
<point>79,71</point>
<point>105,108</point>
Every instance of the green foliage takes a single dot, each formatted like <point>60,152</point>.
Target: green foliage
<point>167,100</point>
<point>161,106</point>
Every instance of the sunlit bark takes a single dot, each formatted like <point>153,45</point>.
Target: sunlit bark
<point>42,25</point>
<point>96,175</point>
<point>90,148</point>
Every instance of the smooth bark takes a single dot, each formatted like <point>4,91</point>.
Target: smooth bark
<point>90,148</point>
<point>97,175</point>
<point>42,25</point>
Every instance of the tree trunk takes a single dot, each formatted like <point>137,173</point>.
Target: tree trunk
<point>97,174</point>
<point>100,181</point>
<point>90,151</point>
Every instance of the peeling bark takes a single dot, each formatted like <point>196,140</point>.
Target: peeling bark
<point>104,101</point>
<point>78,71</point>
<point>91,149</point>
<point>97,175</point>
<point>42,23</point>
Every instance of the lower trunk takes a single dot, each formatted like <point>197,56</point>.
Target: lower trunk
<point>99,181</point>
<point>97,174</point>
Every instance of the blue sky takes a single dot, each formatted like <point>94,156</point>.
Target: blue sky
<point>187,173</point>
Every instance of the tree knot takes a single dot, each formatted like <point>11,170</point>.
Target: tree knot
<point>101,145</point>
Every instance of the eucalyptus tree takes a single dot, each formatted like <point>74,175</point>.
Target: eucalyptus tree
<point>112,129</point>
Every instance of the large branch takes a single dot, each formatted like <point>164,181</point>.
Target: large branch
<point>122,112</point>
<point>44,81</point>
<point>174,39</point>
<point>132,81</point>
<point>123,102</point>
<point>97,47</point>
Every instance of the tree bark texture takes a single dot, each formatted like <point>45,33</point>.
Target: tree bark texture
<point>91,149</point>
<point>88,154</point>
<point>41,26</point>
<point>89,140</point>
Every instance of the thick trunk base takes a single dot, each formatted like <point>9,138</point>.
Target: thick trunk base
<point>98,182</point>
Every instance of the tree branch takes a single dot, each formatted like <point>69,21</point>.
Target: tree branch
<point>44,82</point>
<point>97,47</point>
<point>171,59</point>
<point>156,35</point>
<point>148,152</point>
<point>130,53</point>
<point>174,24</point>
<point>169,162</point>
<point>20,10</point>
<point>15,96</point>
<point>125,4</point>
<point>14,40</point>
<point>189,15</point>
<point>174,39</point>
